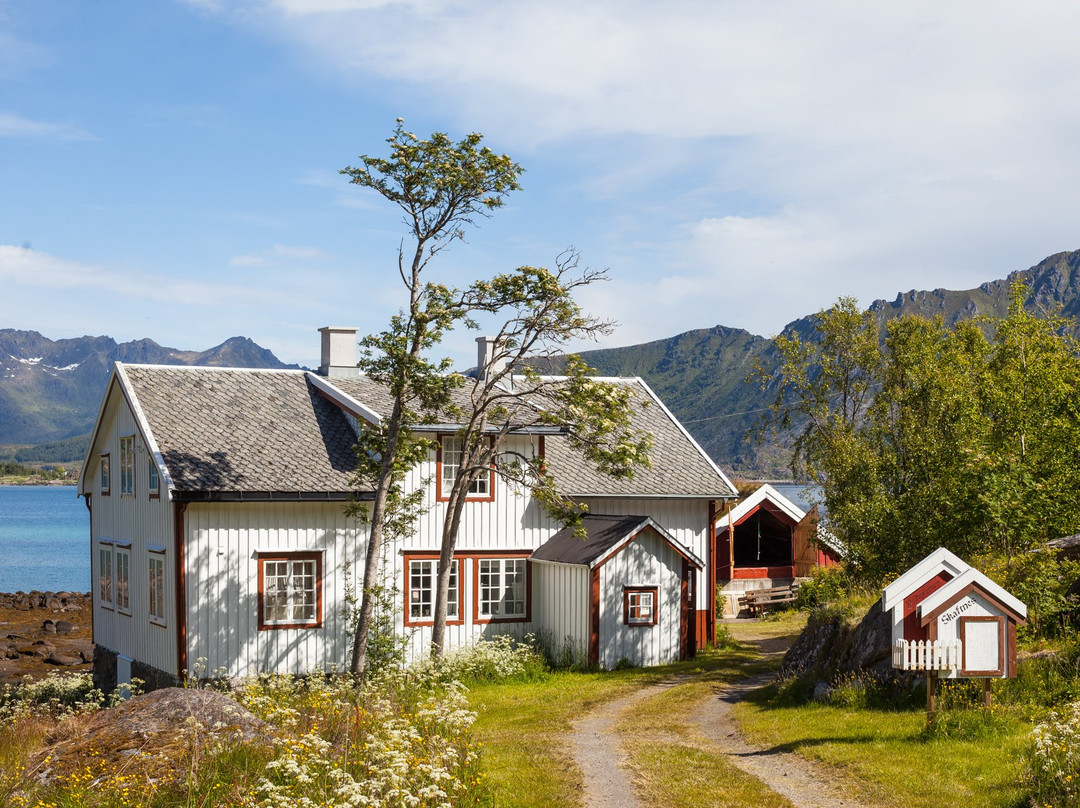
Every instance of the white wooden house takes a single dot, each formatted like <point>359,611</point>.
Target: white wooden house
<point>218,535</point>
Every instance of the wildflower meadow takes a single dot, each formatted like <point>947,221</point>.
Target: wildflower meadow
<point>402,738</point>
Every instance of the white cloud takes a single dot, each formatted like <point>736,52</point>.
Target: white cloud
<point>277,252</point>
<point>24,267</point>
<point>756,160</point>
<point>16,126</point>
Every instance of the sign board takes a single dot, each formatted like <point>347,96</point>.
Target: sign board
<point>950,619</point>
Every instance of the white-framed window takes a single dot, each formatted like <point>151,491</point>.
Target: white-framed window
<point>639,605</point>
<point>451,448</point>
<point>122,563</point>
<point>156,598</point>
<point>106,476</point>
<point>127,466</point>
<point>422,580</point>
<point>290,590</point>
<point>153,482</point>
<point>502,589</point>
<point>105,574</point>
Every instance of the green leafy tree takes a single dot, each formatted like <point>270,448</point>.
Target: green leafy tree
<point>923,436</point>
<point>510,396</point>
<point>441,187</point>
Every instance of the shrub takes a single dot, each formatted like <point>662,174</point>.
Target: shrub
<point>567,654</point>
<point>725,640</point>
<point>1053,760</point>
<point>823,585</point>
<point>1041,580</point>
<point>57,694</point>
<point>496,660</point>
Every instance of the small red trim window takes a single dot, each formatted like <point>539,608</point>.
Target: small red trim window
<point>156,605</point>
<point>105,575</point>
<point>423,580</point>
<point>451,449</point>
<point>640,605</point>
<point>502,585</point>
<point>290,590</point>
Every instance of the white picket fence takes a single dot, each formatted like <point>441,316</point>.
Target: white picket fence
<point>941,655</point>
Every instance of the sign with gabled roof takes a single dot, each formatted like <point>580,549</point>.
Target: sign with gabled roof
<point>950,619</point>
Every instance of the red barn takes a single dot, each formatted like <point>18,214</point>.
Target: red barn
<point>766,540</point>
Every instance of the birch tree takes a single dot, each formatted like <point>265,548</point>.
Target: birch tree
<point>923,436</point>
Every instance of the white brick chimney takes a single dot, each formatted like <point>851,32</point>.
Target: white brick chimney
<point>338,352</point>
<point>488,356</point>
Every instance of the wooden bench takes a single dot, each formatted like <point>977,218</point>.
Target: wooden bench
<point>757,600</point>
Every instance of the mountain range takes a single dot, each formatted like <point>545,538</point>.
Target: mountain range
<point>702,375</point>
<point>50,390</point>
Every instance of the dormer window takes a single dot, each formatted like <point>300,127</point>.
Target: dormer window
<point>451,449</point>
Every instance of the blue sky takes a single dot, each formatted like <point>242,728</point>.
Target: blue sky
<point>170,169</point>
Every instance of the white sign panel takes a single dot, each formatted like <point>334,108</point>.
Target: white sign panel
<point>982,646</point>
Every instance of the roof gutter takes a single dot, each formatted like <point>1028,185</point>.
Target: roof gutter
<point>272,496</point>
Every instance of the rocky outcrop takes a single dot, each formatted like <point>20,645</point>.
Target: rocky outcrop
<point>163,729</point>
<point>831,646</point>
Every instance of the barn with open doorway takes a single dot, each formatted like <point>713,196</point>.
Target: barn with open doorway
<point>765,541</point>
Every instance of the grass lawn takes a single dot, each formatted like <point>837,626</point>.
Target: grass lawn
<point>888,755</point>
<point>524,727</point>
<point>881,758</point>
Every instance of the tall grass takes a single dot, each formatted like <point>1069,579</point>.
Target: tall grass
<point>403,738</point>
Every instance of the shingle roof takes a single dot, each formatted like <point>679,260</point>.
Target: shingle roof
<point>603,535</point>
<point>231,430</point>
<point>679,466</point>
<point>243,430</point>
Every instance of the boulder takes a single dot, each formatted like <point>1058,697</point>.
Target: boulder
<point>65,627</point>
<point>832,646</point>
<point>64,659</point>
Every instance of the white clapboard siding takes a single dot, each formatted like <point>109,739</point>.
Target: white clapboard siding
<point>140,522</point>
<point>223,540</point>
<point>646,561</point>
<point>561,597</point>
<point>512,521</point>
<point>687,520</point>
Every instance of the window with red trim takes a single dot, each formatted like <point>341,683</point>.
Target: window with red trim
<point>502,586</point>
<point>422,580</point>
<point>290,590</point>
<point>640,605</point>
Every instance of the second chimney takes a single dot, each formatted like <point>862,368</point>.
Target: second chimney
<point>339,352</point>
<point>489,357</point>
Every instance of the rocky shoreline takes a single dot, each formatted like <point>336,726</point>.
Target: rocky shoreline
<point>42,632</point>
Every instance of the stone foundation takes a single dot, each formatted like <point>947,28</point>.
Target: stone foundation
<point>105,673</point>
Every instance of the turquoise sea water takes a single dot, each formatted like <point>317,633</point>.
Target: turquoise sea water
<point>44,539</point>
